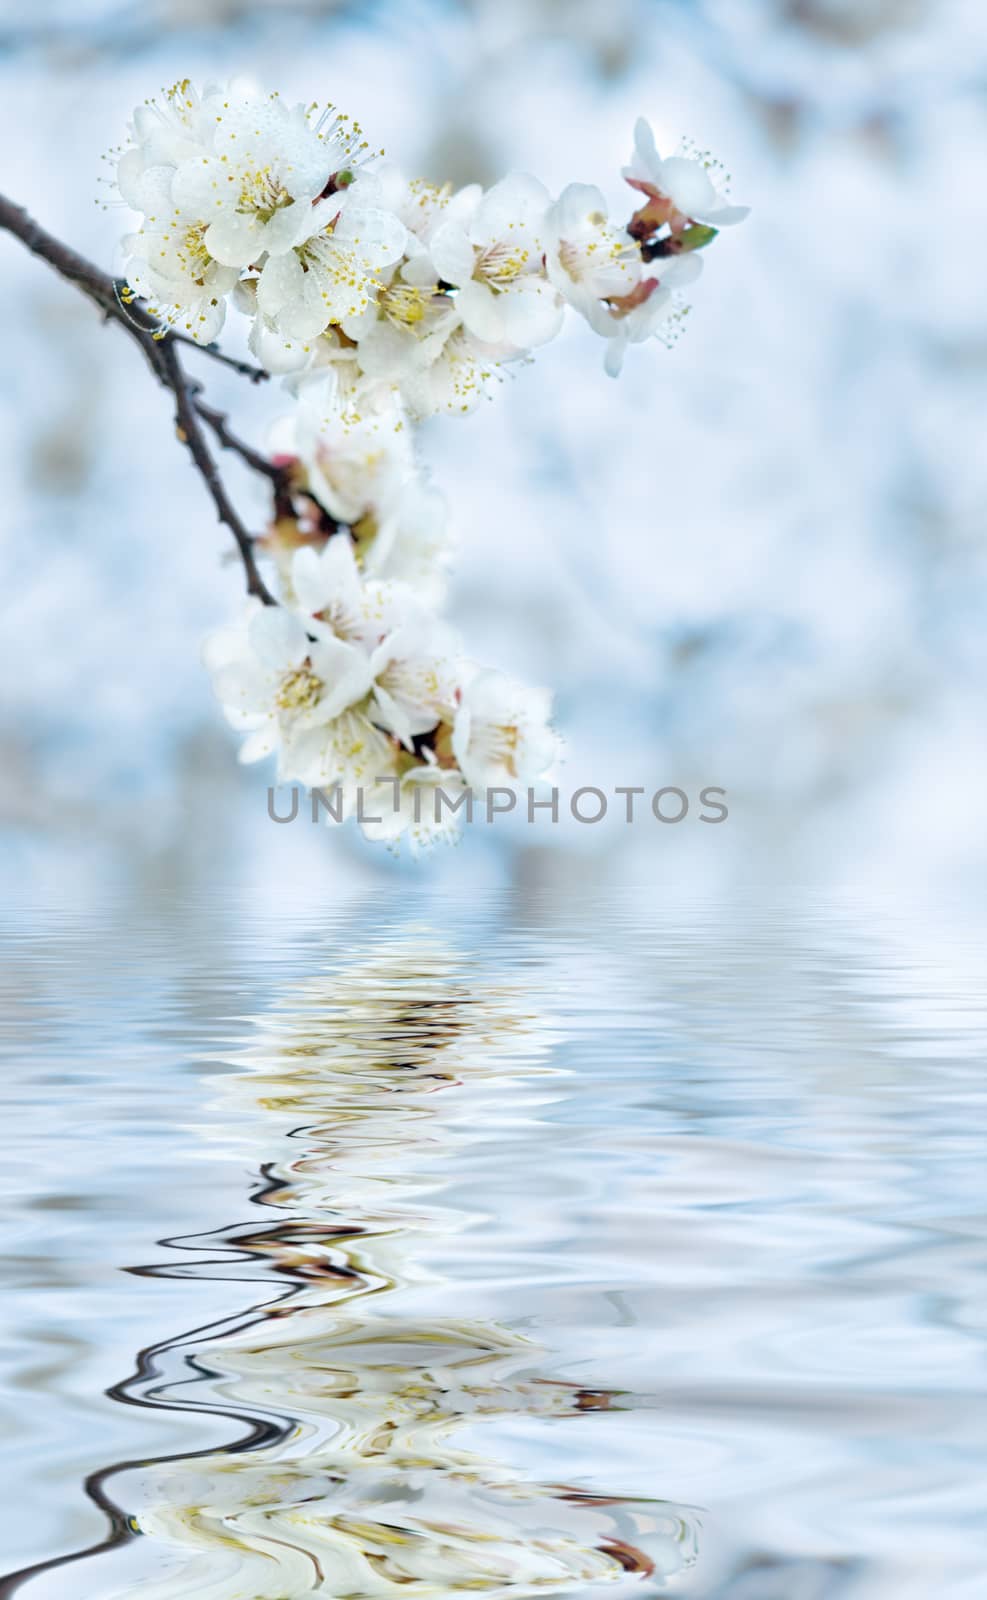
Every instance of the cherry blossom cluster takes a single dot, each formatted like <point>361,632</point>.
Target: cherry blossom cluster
<point>360,689</point>
<point>402,287</point>
<point>383,300</point>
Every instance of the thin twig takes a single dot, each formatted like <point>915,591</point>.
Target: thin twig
<point>246,369</point>
<point>98,285</point>
<point>160,349</point>
<point>230,441</point>
<point>190,433</point>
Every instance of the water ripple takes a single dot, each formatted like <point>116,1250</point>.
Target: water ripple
<point>498,1250</point>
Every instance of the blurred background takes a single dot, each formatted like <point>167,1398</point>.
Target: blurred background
<point>757,561</point>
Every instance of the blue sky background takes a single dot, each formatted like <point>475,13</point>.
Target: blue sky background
<point>757,561</point>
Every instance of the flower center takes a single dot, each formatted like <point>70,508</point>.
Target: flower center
<point>262,194</point>
<point>192,252</point>
<point>300,690</point>
<point>500,263</point>
<point>502,743</point>
<point>404,304</point>
<point>343,617</point>
<point>601,251</point>
<point>428,198</point>
<point>340,272</point>
<point>572,259</point>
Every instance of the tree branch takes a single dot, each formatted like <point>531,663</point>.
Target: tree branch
<point>190,433</point>
<point>159,346</point>
<point>246,369</point>
<point>231,441</point>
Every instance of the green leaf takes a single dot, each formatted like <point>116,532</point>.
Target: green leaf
<point>697,237</point>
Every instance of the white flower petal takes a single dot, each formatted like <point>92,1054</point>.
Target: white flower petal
<point>645,148</point>
<point>642,322</point>
<point>724,216</point>
<point>205,321</point>
<point>688,184</point>
<point>279,283</point>
<point>531,313</point>
<point>243,686</point>
<point>306,316</point>
<point>308,581</point>
<point>380,236</point>
<point>680,271</point>
<point>200,187</point>
<point>613,360</point>
<point>275,352</point>
<point>394,717</point>
<point>341,575</point>
<point>479,308</point>
<point>514,205</point>
<point>130,175</point>
<point>258,745</point>
<point>278,638</point>
<point>288,227</point>
<point>233,240</point>
<point>420,270</point>
<point>344,669</point>
<point>452,254</point>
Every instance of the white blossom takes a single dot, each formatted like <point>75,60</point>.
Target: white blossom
<point>411,657</point>
<point>363,469</point>
<point>684,183</point>
<point>255,187</point>
<point>331,272</point>
<point>164,133</point>
<point>352,756</point>
<point>502,732</point>
<point>494,261</point>
<point>169,265</point>
<point>415,677</point>
<point>645,312</point>
<point>285,682</point>
<point>410,543</point>
<point>438,368</point>
<point>421,808</point>
<point>168,261</point>
<point>235,180</point>
<point>337,687</point>
<point>587,258</point>
<point>355,467</point>
<point>328,588</point>
<point>420,206</point>
<point>383,300</point>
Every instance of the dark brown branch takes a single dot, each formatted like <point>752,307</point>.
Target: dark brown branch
<point>160,349</point>
<point>230,441</point>
<point>246,369</point>
<point>96,284</point>
<point>190,433</point>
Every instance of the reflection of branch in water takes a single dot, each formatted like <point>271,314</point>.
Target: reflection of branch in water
<point>355,1481</point>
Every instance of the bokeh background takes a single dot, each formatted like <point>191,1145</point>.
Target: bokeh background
<point>757,561</point>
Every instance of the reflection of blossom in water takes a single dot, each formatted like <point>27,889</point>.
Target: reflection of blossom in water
<point>388,1500</point>
<point>365,1490</point>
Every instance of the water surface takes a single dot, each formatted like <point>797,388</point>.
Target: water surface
<point>519,1245</point>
